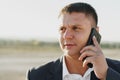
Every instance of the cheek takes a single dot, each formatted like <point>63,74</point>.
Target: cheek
<point>83,37</point>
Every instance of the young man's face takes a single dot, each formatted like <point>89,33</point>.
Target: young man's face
<point>74,32</point>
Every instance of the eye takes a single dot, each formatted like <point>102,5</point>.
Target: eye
<point>62,29</point>
<point>75,28</point>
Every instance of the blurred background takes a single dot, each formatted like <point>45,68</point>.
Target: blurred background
<point>29,33</point>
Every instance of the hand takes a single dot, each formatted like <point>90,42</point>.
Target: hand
<point>95,56</point>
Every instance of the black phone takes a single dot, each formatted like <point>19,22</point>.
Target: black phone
<point>90,41</point>
<point>93,33</point>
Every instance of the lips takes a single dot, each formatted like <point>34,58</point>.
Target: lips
<point>68,46</point>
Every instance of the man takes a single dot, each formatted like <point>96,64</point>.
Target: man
<point>77,21</point>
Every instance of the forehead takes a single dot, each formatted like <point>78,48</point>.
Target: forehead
<point>73,15</point>
<point>74,18</point>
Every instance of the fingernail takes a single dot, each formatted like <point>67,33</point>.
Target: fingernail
<point>94,37</point>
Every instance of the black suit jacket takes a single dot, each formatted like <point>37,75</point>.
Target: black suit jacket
<point>53,71</point>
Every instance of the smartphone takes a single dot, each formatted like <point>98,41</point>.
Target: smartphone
<point>90,41</point>
<point>93,33</point>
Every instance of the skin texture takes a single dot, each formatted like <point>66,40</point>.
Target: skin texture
<point>74,32</point>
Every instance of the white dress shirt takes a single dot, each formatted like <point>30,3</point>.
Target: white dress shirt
<point>67,76</point>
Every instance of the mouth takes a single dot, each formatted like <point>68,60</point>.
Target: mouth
<point>69,46</point>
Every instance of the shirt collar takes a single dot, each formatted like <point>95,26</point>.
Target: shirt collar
<point>65,70</point>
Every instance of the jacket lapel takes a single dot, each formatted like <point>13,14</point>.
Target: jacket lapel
<point>58,69</point>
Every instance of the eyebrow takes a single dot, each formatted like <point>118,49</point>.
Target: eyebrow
<point>71,25</point>
<point>76,25</point>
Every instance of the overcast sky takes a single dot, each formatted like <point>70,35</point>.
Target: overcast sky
<point>38,19</point>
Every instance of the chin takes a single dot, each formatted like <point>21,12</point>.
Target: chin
<point>70,53</point>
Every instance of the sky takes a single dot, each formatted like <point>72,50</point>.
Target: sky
<point>38,19</point>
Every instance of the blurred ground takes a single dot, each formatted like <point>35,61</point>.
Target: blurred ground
<point>14,64</point>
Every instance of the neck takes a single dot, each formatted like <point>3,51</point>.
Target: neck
<point>74,65</point>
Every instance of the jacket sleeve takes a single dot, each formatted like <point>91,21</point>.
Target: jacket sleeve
<point>112,74</point>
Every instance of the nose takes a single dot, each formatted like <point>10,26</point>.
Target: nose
<point>68,34</point>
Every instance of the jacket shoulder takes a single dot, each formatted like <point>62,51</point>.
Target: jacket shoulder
<point>114,64</point>
<point>113,72</point>
<point>41,72</point>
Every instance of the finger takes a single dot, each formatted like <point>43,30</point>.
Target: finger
<point>95,41</point>
<point>87,61</point>
<point>85,54</point>
<point>91,47</point>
